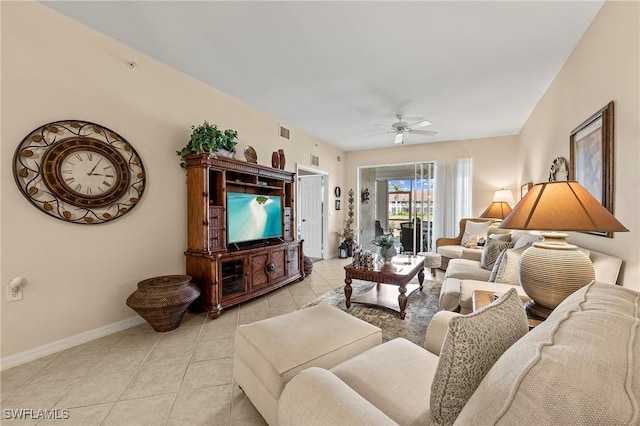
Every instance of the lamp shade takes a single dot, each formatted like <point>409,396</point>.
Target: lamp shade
<point>561,206</point>
<point>505,196</point>
<point>497,210</point>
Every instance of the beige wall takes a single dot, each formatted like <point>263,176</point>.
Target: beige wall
<point>80,276</point>
<point>493,167</point>
<point>603,67</point>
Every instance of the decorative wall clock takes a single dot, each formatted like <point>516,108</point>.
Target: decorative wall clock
<point>79,172</point>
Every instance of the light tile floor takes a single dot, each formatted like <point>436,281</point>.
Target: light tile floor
<point>140,377</point>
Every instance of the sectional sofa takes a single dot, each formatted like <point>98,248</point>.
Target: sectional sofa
<point>470,272</point>
<point>580,366</point>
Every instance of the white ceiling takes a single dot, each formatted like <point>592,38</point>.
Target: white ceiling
<point>337,69</point>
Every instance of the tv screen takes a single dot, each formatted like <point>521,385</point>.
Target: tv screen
<point>253,217</point>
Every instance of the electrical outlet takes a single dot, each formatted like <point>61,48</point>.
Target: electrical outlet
<point>13,296</point>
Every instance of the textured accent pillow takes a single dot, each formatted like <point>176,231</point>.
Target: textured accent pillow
<point>468,240</point>
<point>495,244</point>
<point>508,271</point>
<point>472,345</point>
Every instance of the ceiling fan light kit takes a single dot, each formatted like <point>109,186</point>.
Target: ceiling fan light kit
<point>401,127</point>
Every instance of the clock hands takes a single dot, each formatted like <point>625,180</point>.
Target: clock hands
<point>94,168</point>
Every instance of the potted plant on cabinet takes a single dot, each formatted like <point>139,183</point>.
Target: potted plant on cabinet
<point>208,138</point>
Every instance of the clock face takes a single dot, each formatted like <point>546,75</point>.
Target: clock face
<point>81,175</point>
<point>79,172</point>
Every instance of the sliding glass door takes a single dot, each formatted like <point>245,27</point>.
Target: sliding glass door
<point>400,202</point>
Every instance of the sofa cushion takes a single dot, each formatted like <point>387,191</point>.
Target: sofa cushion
<point>317,396</point>
<point>396,377</point>
<point>507,268</point>
<point>495,244</point>
<point>452,252</point>
<point>466,269</point>
<point>580,366</point>
<point>472,345</point>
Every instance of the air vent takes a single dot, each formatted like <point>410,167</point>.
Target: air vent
<point>284,132</point>
<point>315,161</point>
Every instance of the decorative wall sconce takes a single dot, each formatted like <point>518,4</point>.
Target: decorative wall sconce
<point>364,196</point>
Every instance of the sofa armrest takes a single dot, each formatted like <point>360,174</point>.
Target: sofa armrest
<point>436,331</point>
<point>443,241</point>
<point>318,397</point>
<point>450,294</point>
<point>472,254</point>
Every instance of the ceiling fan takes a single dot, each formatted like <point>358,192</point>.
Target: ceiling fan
<point>401,127</point>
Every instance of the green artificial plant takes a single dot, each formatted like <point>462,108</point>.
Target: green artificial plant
<point>208,138</point>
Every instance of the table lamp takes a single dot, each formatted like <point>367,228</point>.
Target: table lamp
<point>500,207</point>
<point>552,269</point>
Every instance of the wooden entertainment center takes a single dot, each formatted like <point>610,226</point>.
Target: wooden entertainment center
<point>228,274</point>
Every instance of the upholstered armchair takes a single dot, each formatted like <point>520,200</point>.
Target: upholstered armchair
<point>452,248</point>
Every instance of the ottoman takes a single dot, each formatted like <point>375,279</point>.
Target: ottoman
<point>269,353</point>
<point>431,260</point>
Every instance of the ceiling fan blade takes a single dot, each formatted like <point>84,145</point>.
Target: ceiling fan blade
<point>423,132</point>
<point>420,123</point>
<point>378,134</point>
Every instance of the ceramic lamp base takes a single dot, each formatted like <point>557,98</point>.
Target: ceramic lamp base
<point>535,310</point>
<point>551,270</point>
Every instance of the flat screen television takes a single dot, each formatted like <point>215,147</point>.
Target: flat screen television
<point>253,217</point>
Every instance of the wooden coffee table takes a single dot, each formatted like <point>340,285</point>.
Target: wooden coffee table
<point>392,283</point>
<point>482,298</point>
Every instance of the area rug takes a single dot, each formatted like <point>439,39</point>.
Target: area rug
<point>421,306</point>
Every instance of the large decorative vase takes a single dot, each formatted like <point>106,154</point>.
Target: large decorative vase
<point>275,160</point>
<point>281,158</point>
<point>163,301</point>
<point>307,266</point>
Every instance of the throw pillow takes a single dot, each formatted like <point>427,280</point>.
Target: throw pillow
<point>496,266</point>
<point>469,241</point>
<point>472,345</point>
<point>495,244</point>
<point>509,270</point>
<point>525,240</point>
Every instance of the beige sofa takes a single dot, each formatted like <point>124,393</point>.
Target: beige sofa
<point>571,369</point>
<point>465,275</point>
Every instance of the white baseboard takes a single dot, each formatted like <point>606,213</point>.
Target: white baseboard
<point>67,342</point>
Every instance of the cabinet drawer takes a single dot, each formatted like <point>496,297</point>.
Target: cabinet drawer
<point>215,217</point>
<point>214,238</point>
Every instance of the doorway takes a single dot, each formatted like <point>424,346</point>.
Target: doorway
<point>311,220</point>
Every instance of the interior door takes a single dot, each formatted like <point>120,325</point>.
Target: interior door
<point>310,196</point>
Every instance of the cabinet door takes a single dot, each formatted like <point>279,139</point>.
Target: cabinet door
<point>293,260</point>
<point>232,277</point>
<point>278,264</point>
<point>259,269</point>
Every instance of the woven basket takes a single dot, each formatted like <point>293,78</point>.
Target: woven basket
<point>163,301</point>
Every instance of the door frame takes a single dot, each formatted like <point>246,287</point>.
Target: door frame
<point>325,205</point>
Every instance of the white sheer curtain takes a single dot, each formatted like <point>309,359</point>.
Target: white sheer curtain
<point>453,196</point>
